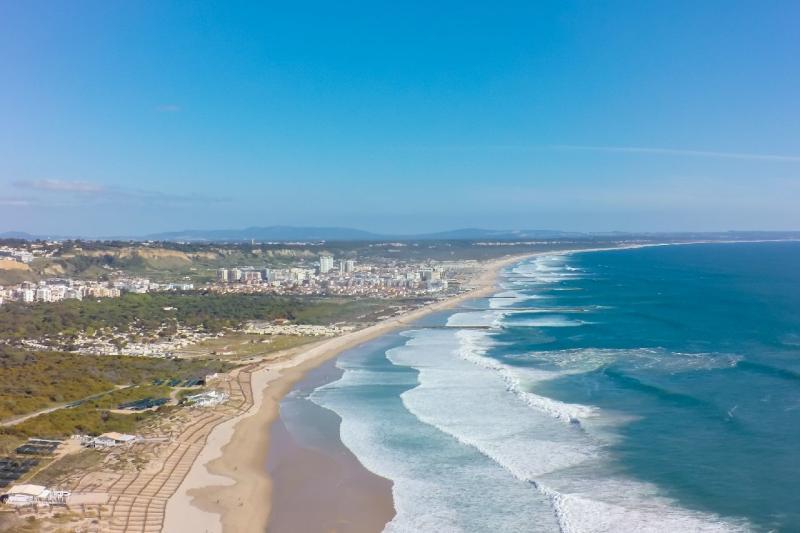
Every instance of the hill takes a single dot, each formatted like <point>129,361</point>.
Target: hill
<point>268,234</point>
<point>306,234</point>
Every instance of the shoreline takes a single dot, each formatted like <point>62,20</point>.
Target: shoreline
<point>209,499</point>
<point>230,473</point>
<point>211,495</point>
<point>318,483</point>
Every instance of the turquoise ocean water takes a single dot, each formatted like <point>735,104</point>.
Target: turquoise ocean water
<point>651,389</point>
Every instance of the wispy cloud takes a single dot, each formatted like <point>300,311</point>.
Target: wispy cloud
<point>679,152</point>
<point>83,187</point>
<point>609,149</point>
<point>168,108</point>
<point>59,191</point>
<point>11,201</point>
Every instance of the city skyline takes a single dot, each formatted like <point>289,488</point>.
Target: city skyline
<point>128,119</point>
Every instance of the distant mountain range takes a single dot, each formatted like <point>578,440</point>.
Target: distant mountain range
<point>294,233</point>
<point>18,235</point>
<point>313,234</point>
<point>268,234</point>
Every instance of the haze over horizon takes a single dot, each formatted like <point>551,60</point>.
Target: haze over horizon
<point>136,118</point>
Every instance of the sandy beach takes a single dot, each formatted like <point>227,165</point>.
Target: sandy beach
<point>318,483</point>
<point>228,488</point>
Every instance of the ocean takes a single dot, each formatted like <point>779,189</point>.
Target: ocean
<point>649,389</point>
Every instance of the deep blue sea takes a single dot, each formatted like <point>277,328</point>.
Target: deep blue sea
<point>649,389</point>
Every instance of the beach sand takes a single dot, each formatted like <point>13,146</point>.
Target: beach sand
<point>229,489</point>
<point>318,484</point>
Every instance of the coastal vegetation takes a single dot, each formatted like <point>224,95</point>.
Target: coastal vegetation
<point>160,314</point>
<point>84,419</point>
<point>79,393</point>
<point>234,346</point>
<point>31,380</point>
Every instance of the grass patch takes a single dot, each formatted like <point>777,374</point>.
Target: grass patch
<point>30,381</point>
<point>67,465</point>
<point>9,443</point>
<point>129,394</point>
<point>84,419</point>
<point>244,345</point>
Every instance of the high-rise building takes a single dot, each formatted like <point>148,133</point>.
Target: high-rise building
<point>325,264</point>
<point>298,274</point>
<point>43,294</point>
<point>349,266</point>
<point>73,294</point>
<point>251,276</point>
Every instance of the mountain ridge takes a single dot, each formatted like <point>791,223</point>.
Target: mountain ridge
<point>283,233</point>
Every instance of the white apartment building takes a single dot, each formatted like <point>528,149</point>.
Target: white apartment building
<point>251,276</point>
<point>43,294</point>
<point>325,264</point>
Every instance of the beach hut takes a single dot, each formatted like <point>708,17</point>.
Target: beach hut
<point>112,439</point>
<point>26,495</point>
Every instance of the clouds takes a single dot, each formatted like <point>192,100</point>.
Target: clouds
<point>631,150</point>
<point>12,201</point>
<point>81,187</point>
<point>56,192</point>
<point>679,152</point>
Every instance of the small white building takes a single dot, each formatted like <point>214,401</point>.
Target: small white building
<point>113,438</point>
<point>26,495</point>
<point>207,399</point>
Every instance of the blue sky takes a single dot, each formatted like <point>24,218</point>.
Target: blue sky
<point>133,117</point>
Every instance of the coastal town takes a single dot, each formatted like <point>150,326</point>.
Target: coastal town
<point>382,278</point>
<point>346,277</point>
<point>58,288</point>
<point>405,282</point>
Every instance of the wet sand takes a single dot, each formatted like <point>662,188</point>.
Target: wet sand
<point>318,484</point>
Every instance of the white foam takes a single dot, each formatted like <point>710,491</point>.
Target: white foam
<point>546,269</point>
<point>476,400</point>
<point>550,321</point>
<point>471,319</point>
<point>439,484</point>
<point>456,392</point>
<point>511,298</point>
<point>364,377</point>
<point>642,510</point>
<point>499,317</point>
<point>658,359</point>
<point>472,348</point>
